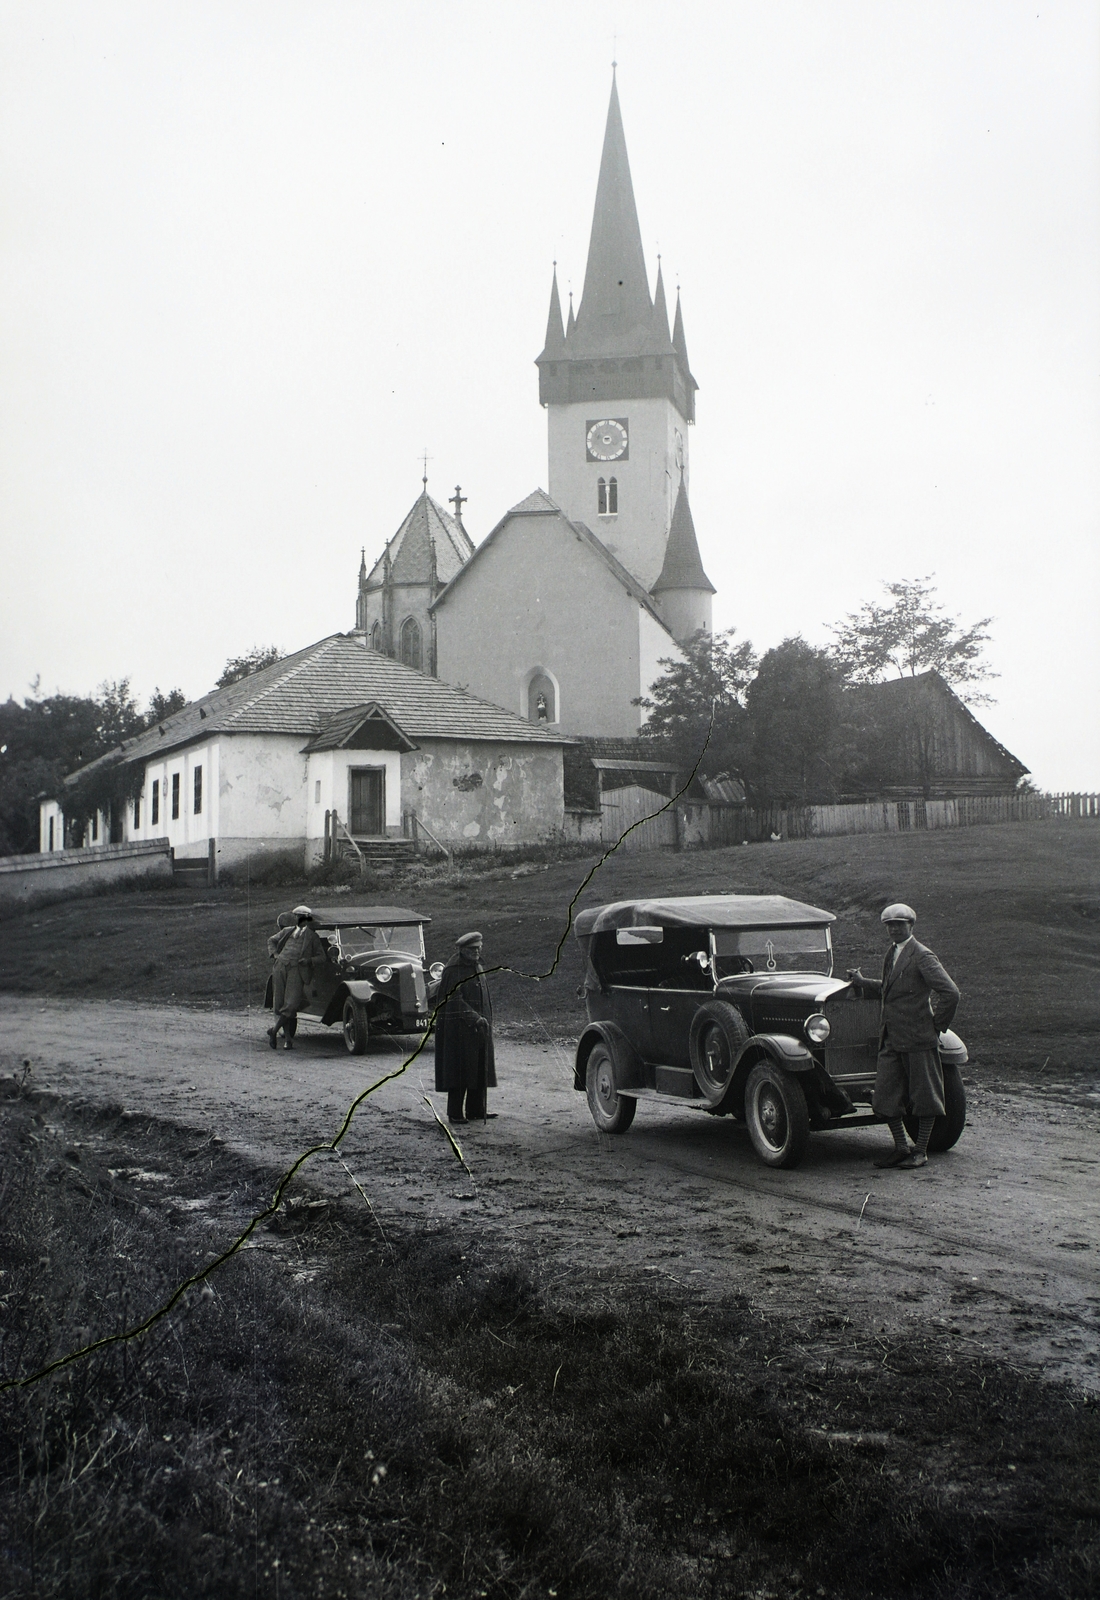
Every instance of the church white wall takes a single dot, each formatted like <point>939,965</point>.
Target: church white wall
<point>648,480</point>
<point>685,611</point>
<point>538,596</point>
<point>654,646</point>
<point>484,793</point>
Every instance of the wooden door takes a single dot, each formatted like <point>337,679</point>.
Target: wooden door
<point>367,800</point>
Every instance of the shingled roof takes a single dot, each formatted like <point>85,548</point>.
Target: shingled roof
<point>303,693</point>
<point>683,566</point>
<point>426,527</point>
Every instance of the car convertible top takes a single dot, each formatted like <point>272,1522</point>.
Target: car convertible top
<point>701,911</point>
<point>360,917</point>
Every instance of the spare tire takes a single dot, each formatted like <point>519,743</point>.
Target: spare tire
<point>718,1031</point>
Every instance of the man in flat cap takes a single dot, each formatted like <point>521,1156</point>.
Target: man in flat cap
<point>919,1001</point>
<point>464,1064</point>
<point>297,952</point>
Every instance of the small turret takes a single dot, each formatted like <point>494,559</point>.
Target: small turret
<point>683,591</point>
<point>555,338</point>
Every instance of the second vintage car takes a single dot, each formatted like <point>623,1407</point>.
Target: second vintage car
<point>728,1002</point>
<point>375,980</point>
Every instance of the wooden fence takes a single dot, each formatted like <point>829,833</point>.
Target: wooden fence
<point>738,824</point>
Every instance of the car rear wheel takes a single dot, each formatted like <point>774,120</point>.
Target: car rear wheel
<point>777,1115</point>
<point>946,1130</point>
<point>611,1111</point>
<point>356,1026</point>
<point>717,1033</point>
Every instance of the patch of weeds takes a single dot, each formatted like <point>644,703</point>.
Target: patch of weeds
<point>339,1414</point>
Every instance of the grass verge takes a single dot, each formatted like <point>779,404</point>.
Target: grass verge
<point>340,1413</point>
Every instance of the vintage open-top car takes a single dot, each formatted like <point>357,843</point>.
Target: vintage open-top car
<point>375,978</point>
<point>728,1002</point>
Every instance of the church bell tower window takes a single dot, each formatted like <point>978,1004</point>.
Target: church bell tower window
<point>607,497</point>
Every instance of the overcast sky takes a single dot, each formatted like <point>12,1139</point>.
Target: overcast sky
<point>256,258</point>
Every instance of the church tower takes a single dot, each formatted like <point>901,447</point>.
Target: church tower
<point>618,389</point>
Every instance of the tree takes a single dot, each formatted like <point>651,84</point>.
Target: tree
<point>238,667</point>
<point>43,740</point>
<point>711,679</point>
<point>909,635</point>
<point>164,705</point>
<point>796,720</point>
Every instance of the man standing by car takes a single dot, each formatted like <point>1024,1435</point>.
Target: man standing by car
<point>464,1064</point>
<point>919,1001</point>
<point>297,953</point>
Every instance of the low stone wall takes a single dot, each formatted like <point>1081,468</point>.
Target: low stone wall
<point>582,827</point>
<point>62,874</point>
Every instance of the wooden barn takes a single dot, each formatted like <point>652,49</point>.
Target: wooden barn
<point>920,741</point>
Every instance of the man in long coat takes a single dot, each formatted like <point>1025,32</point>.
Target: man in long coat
<point>464,1063</point>
<point>919,1001</point>
<point>297,953</point>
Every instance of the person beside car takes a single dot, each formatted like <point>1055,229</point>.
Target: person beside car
<point>297,952</point>
<point>918,1001</point>
<point>465,1067</point>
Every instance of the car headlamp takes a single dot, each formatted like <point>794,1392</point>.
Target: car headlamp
<point>384,974</point>
<point>817,1028</point>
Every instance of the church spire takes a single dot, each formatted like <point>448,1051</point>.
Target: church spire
<point>660,309</point>
<point>555,338</point>
<point>679,343</point>
<point>615,303</point>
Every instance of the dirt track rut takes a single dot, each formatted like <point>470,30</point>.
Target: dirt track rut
<point>994,1243</point>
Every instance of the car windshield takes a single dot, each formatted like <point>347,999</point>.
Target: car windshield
<point>405,939</point>
<point>772,950</point>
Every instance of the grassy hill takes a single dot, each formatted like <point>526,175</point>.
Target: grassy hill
<point>1013,911</point>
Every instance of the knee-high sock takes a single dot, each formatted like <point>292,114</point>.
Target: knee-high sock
<point>924,1133</point>
<point>897,1128</point>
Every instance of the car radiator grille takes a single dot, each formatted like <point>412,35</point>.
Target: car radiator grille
<point>853,1041</point>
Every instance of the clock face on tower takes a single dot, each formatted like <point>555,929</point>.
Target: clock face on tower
<point>608,440</point>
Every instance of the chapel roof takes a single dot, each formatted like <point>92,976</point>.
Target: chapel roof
<point>683,565</point>
<point>304,692</point>
<point>426,527</point>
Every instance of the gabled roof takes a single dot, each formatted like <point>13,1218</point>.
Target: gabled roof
<point>913,685</point>
<point>539,503</point>
<point>366,727</point>
<point>303,693</point>
<point>426,527</point>
<point>683,566</point>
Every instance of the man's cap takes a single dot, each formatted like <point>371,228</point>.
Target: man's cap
<point>467,938</point>
<point>301,911</point>
<point>898,913</point>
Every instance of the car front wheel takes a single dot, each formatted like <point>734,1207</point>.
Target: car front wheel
<point>777,1115</point>
<point>611,1111</point>
<point>946,1130</point>
<point>356,1027</point>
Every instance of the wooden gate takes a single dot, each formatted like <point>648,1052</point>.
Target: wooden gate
<point>622,808</point>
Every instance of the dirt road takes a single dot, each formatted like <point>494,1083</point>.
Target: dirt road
<point>995,1243</point>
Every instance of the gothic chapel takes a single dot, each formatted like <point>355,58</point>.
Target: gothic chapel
<point>565,609</point>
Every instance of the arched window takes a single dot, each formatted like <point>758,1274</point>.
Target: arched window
<point>601,497</point>
<point>613,498</point>
<point>607,497</point>
<point>376,636</point>
<point>412,652</point>
<point>541,699</point>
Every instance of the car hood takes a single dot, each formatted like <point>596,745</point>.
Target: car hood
<point>808,987</point>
